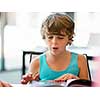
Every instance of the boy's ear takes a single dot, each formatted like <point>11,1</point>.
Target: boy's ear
<point>70,41</point>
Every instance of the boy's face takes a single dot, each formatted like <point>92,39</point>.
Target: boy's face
<point>56,42</point>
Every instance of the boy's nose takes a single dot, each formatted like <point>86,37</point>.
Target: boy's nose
<point>54,40</point>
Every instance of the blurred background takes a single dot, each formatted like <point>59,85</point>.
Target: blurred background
<point>20,31</point>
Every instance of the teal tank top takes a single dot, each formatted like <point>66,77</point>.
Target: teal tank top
<point>46,73</point>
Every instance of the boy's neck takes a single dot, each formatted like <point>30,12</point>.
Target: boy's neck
<point>57,57</point>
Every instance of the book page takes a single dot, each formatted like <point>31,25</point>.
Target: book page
<point>50,83</point>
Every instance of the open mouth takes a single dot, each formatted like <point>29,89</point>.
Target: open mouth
<point>55,48</point>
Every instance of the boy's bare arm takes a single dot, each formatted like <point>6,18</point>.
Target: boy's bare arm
<point>82,64</point>
<point>33,73</point>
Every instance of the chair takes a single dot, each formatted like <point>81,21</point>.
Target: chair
<point>31,53</point>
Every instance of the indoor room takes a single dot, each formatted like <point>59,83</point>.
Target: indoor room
<point>20,38</point>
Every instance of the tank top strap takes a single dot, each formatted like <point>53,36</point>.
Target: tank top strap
<point>74,57</point>
<point>42,60</point>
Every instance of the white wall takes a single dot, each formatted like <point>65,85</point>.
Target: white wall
<point>23,33</point>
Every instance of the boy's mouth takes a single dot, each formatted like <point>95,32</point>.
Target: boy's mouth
<point>55,48</point>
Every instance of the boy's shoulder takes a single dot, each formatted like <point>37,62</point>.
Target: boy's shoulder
<point>75,53</point>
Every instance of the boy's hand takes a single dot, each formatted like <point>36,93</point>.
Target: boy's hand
<point>29,77</point>
<point>66,77</point>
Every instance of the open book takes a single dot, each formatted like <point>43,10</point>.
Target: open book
<point>68,83</point>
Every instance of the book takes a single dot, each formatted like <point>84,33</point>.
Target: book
<point>51,83</point>
<point>68,83</point>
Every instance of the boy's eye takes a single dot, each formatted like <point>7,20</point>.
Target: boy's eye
<point>59,37</point>
<point>50,37</point>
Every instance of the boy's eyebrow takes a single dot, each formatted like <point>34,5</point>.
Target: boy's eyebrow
<point>57,34</point>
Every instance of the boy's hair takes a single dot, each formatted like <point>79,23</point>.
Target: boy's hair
<point>57,22</point>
